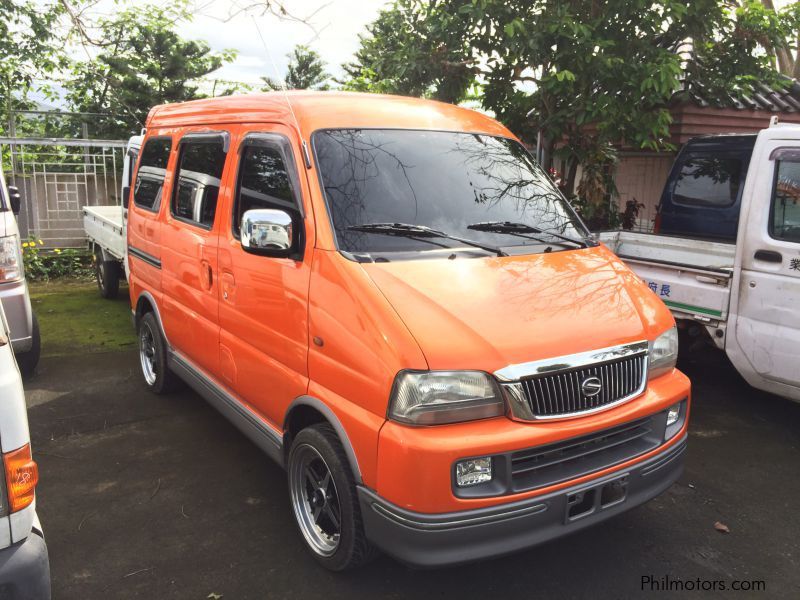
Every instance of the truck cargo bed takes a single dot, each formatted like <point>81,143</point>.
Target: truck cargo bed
<point>692,277</point>
<point>104,227</point>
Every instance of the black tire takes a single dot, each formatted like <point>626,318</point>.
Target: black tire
<point>159,379</point>
<point>27,361</point>
<point>353,549</point>
<point>107,274</point>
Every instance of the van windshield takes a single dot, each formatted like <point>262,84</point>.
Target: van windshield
<point>450,182</point>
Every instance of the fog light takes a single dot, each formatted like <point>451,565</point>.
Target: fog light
<point>473,471</point>
<point>676,419</point>
<point>673,414</point>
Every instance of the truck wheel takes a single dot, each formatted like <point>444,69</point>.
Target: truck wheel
<point>107,273</point>
<point>27,361</point>
<point>153,356</point>
<point>324,500</point>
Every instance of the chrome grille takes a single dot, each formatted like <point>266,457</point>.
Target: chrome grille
<point>576,384</point>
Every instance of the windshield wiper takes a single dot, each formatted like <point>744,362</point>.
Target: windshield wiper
<point>523,228</point>
<point>420,231</point>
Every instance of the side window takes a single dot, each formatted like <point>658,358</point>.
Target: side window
<point>265,181</point>
<point>709,182</point>
<point>785,211</point>
<point>200,164</point>
<point>150,176</point>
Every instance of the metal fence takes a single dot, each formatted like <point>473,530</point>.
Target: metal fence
<point>57,177</point>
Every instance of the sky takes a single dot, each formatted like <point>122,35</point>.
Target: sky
<point>332,30</point>
<point>331,27</point>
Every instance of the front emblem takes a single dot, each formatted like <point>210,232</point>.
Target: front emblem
<point>591,386</point>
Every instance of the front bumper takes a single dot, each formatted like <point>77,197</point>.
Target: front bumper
<point>25,570</point>
<point>434,540</point>
<point>19,314</point>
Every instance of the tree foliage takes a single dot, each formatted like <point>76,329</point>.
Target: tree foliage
<point>306,71</point>
<point>30,49</point>
<point>142,61</point>
<point>583,74</point>
<point>414,48</point>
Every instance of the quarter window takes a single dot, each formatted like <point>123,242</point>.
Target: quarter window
<point>785,217</point>
<point>150,176</point>
<point>264,182</point>
<point>709,181</point>
<point>200,166</point>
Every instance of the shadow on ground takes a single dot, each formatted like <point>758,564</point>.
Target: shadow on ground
<point>146,497</point>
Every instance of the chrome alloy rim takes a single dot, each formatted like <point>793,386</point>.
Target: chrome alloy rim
<point>147,354</point>
<point>315,500</point>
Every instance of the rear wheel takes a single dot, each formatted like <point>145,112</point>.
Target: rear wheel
<point>153,356</point>
<point>107,274</point>
<point>324,500</point>
<point>27,361</point>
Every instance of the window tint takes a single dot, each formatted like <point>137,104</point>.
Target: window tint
<point>150,176</point>
<point>709,181</point>
<point>199,171</point>
<point>264,182</point>
<point>785,218</point>
<point>442,180</point>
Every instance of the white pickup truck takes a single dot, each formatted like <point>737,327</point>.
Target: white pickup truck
<point>746,295</point>
<point>105,228</point>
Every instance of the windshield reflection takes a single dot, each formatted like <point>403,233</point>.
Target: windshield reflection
<point>442,180</point>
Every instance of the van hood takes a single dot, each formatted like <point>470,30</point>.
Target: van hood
<point>488,313</point>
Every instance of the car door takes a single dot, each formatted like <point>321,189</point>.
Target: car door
<point>264,299</point>
<point>150,189</point>
<point>768,319</point>
<point>190,243</point>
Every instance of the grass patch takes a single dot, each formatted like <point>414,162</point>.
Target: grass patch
<point>74,318</point>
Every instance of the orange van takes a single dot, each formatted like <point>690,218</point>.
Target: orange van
<point>390,297</point>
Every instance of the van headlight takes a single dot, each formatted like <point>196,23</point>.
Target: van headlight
<point>663,353</point>
<point>10,259</point>
<point>437,397</point>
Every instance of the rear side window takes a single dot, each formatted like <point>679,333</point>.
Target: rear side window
<point>785,217</point>
<point>150,176</point>
<point>265,181</point>
<point>200,165</point>
<point>712,182</point>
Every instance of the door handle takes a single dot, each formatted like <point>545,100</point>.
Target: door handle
<point>768,256</point>
<point>207,274</point>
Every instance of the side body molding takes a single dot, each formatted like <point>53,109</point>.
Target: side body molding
<point>254,427</point>
<point>231,408</point>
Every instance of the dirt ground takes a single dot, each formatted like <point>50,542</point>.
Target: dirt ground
<point>152,497</point>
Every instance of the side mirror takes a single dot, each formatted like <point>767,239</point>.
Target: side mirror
<point>14,199</point>
<point>126,194</point>
<point>268,232</point>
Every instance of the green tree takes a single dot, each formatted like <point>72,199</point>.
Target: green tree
<point>306,71</point>
<point>414,49</point>
<point>142,61</point>
<point>30,50</point>
<point>581,74</point>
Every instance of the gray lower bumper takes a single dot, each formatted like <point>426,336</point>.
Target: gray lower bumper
<point>433,540</point>
<point>17,306</point>
<point>25,570</point>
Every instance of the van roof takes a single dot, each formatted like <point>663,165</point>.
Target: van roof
<point>323,110</point>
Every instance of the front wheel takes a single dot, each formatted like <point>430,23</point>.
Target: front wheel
<point>324,500</point>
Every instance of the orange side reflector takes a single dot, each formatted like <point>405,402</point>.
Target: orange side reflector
<point>22,475</point>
